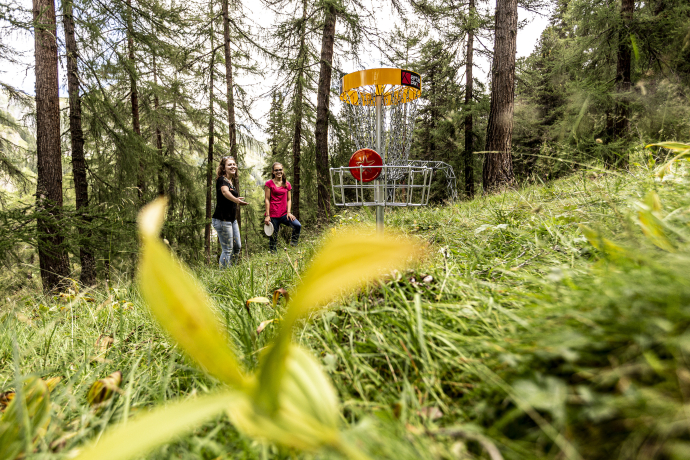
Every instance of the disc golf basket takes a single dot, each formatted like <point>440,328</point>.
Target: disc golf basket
<point>381,107</point>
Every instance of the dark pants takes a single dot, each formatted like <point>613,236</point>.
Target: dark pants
<point>276,221</point>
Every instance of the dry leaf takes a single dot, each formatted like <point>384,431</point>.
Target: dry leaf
<point>263,325</point>
<point>104,342</point>
<point>278,293</point>
<point>59,443</point>
<point>52,382</point>
<point>103,389</point>
<point>256,300</point>
<point>5,399</point>
<point>432,413</point>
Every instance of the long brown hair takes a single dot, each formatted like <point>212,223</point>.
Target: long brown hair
<point>220,171</point>
<point>273,175</point>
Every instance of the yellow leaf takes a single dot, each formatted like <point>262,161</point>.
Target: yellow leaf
<point>307,417</point>
<point>278,293</point>
<point>182,308</point>
<point>650,223</point>
<point>35,400</point>
<point>263,325</point>
<point>102,390</point>
<point>653,201</point>
<point>256,300</point>
<point>157,427</point>
<point>103,343</point>
<point>5,399</point>
<point>348,259</point>
<point>682,150</point>
<point>52,382</point>
<point>603,244</point>
<point>673,146</point>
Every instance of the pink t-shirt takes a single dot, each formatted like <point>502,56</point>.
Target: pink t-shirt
<point>278,206</point>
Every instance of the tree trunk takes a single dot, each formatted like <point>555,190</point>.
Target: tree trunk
<point>232,125</point>
<point>170,161</point>
<point>134,97</point>
<point>209,163</point>
<point>51,253</point>
<point>299,96</point>
<point>322,112</point>
<point>498,163</point>
<point>159,135</point>
<point>621,119</point>
<point>469,90</point>
<point>81,186</point>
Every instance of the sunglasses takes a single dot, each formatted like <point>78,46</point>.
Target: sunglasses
<point>277,170</point>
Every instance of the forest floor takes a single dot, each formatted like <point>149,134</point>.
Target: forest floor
<point>547,322</point>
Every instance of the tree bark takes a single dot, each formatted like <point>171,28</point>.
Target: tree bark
<point>299,101</point>
<point>209,163</point>
<point>498,163</point>
<point>322,112</point>
<point>621,121</point>
<point>81,186</point>
<point>51,253</point>
<point>159,135</point>
<point>134,98</point>
<point>232,125</point>
<point>170,161</point>
<point>469,90</point>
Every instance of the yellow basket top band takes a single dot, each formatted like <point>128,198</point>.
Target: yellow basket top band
<point>396,86</point>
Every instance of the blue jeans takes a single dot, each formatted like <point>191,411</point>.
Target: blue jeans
<point>276,221</point>
<point>230,241</point>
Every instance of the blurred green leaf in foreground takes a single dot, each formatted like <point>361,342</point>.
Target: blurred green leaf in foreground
<point>290,401</point>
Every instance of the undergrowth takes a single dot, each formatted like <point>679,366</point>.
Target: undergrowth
<point>514,333</point>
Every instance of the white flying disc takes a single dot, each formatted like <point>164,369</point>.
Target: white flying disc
<point>268,229</point>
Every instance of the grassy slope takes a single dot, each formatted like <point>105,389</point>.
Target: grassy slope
<point>526,333</point>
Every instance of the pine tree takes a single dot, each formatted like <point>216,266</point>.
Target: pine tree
<point>322,113</point>
<point>81,186</point>
<point>51,252</point>
<point>469,99</point>
<point>620,121</point>
<point>210,158</point>
<point>498,163</point>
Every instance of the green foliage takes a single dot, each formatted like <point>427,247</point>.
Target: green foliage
<point>566,92</point>
<point>547,319</point>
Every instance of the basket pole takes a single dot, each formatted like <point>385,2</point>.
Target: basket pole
<point>379,187</point>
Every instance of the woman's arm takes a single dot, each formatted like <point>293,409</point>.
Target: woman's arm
<point>267,201</point>
<point>289,206</point>
<point>225,190</point>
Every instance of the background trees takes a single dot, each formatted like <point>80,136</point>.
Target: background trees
<point>140,95</point>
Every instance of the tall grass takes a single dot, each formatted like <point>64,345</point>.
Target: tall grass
<point>515,334</point>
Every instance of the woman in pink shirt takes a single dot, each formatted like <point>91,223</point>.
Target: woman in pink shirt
<point>278,199</point>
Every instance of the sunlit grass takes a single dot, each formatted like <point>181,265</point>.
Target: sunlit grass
<point>524,334</point>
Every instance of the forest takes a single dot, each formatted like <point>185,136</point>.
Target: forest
<point>538,306</point>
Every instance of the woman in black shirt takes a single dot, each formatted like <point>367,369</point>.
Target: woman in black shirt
<point>224,218</point>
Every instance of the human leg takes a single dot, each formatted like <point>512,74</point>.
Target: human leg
<point>224,231</point>
<point>296,228</point>
<point>273,240</point>
<point>236,241</point>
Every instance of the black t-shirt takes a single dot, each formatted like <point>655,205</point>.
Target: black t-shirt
<point>225,209</point>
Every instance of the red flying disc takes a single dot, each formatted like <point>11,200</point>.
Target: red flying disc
<point>368,159</point>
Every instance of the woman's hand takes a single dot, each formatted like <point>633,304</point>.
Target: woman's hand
<point>241,202</point>
<point>290,217</point>
<point>267,220</point>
